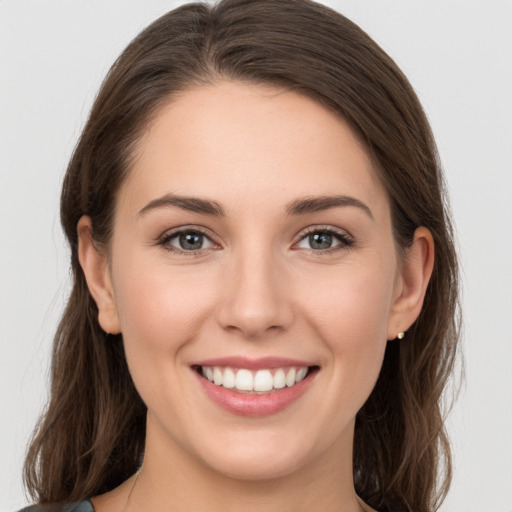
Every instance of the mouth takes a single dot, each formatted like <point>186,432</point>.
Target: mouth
<point>255,387</point>
<point>245,380</point>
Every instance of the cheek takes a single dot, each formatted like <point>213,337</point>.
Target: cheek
<point>160,313</point>
<point>351,317</point>
<point>159,310</point>
<point>353,306</point>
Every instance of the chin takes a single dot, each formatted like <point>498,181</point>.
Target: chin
<point>266,456</point>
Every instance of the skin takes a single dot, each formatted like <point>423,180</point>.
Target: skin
<point>256,288</point>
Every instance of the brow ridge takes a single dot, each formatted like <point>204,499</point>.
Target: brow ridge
<point>312,204</point>
<point>301,206</point>
<point>193,204</point>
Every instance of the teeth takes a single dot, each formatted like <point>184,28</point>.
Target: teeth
<point>301,374</point>
<point>244,380</point>
<point>279,379</point>
<point>228,380</point>
<point>290,377</point>
<point>217,376</point>
<point>263,381</point>
<point>260,381</point>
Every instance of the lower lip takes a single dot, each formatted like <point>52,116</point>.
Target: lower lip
<point>247,404</point>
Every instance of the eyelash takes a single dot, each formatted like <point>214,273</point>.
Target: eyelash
<point>345,240</point>
<point>164,241</point>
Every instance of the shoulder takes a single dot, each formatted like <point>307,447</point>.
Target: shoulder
<point>82,506</point>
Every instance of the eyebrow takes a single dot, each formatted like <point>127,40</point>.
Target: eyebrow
<point>301,206</point>
<point>192,204</point>
<point>320,203</point>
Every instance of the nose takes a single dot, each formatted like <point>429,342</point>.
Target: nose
<point>256,299</point>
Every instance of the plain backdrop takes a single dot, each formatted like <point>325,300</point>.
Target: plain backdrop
<point>457,55</point>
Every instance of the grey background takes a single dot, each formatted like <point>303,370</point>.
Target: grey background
<point>458,56</point>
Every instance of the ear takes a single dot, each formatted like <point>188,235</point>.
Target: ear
<point>412,281</point>
<point>94,263</point>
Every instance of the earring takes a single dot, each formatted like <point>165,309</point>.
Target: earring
<point>400,335</point>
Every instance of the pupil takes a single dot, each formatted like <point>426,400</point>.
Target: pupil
<point>191,241</point>
<point>320,240</point>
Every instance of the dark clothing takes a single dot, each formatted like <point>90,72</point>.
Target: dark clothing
<point>83,506</point>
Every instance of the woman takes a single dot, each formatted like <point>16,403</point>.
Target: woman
<point>265,286</point>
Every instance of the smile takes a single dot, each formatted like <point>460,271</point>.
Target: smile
<point>255,387</point>
<point>260,381</point>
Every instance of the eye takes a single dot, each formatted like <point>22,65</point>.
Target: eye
<point>324,240</point>
<point>187,241</point>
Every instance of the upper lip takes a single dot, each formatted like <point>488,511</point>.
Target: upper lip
<point>253,364</point>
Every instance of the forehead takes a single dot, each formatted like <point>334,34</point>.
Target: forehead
<point>232,140</point>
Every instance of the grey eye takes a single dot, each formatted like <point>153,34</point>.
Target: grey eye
<point>188,241</point>
<point>191,241</point>
<point>320,240</point>
<point>325,239</point>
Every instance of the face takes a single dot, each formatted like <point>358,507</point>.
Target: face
<point>252,246</point>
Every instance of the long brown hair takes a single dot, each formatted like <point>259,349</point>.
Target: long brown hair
<point>91,436</point>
